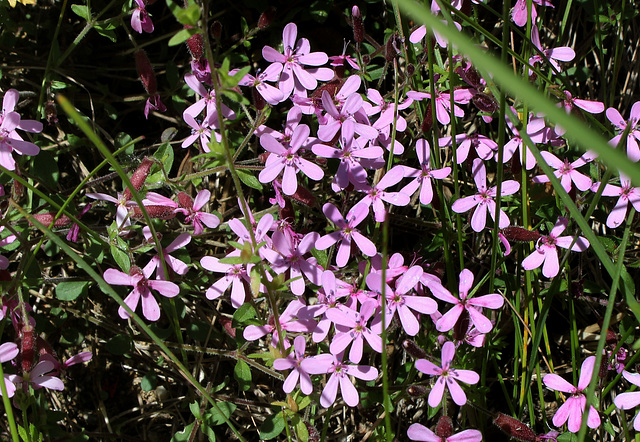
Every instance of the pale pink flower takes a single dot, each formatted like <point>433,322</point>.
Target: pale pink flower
<point>473,306</point>
<point>484,147</point>
<point>630,399</point>
<point>627,195</point>
<point>519,11</point>
<point>632,125</point>
<point>297,54</point>
<point>484,199</point>
<point>443,102</point>
<point>293,362</point>
<point>552,56</point>
<point>355,330</point>
<point>419,432</point>
<point>142,285</point>
<point>567,172</point>
<point>235,275</point>
<point>178,266</point>
<point>339,377</point>
<point>8,351</point>
<point>448,377</point>
<point>140,19</point>
<point>574,407</point>
<point>289,322</point>
<point>270,94</point>
<point>546,252</point>
<point>377,194</point>
<point>39,377</point>
<point>190,208</point>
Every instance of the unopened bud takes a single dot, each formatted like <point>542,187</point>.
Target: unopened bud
<point>139,176</point>
<point>514,428</point>
<point>410,69</point>
<point>51,112</point>
<point>154,211</point>
<point>195,44</point>
<point>356,22</point>
<point>444,429</point>
<point>47,219</point>
<point>258,100</point>
<point>520,234</point>
<point>417,391</point>
<point>427,123</point>
<point>302,195</point>
<point>412,348</point>
<point>366,58</point>
<point>185,201</point>
<point>485,102</point>
<point>27,345</point>
<point>266,18</point>
<point>314,434</point>
<point>392,48</point>
<point>145,72</point>
<point>216,30</point>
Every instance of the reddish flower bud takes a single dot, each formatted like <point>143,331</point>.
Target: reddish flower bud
<point>356,22</point>
<point>139,176</point>
<point>392,47</point>
<point>154,211</point>
<point>287,213</point>
<point>485,102</point>
<point>258,100</point>
<point>47,219</point>
<point>314,434</point>
<point>444,428</point>
<point>417,391</point>
<point>266,18</point>
<point>51,112</point>
<point>27,346</point>
<point>520,234</point>
<point>410,69</point>
<point>302,195</point>
<point>145,72</point>
<point>226,325</point>
<point>216,30</point>
<point>195,43</point>
<point>185,201</point>
<point>412,348</point>
<point>514,428</point>
<point>427,123</point>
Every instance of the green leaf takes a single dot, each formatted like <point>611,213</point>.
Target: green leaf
<point>215,417</point>
<point>272,426</point>
<point>107,29</point>
<point>195,410</point>
<point>45,167</point>
<point>242,373</point>
<point>149,382</point>
<point>233,260</point>
<point>321,256</point>
<point>182,36</point>
<point>244,313</point>
<point>249,179</point>
<point>185,16</point>
<point>184,435</point>
<point>71,290</point>
<point>119,344</point>
<point>82,11</point>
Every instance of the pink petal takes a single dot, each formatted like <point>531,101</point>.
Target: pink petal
<point>366,246</point>
<point>435,397</point>
<point>482,323</point>
<point>457,393</point>
<point>428,367</point>
<point>551,265</point>
<point>421,433</point>
<point>150,307</point>
<point>555,382</point>
<point>586,372</point>
<point>349,392</point>
<point>493,301</point>
<point>449,319</point>
<point>534,260</point>
<point>330,391</point>
<point>116,277</point>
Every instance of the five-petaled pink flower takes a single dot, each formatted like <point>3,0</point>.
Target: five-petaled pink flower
<point>447,377</point>
<point>546,252</point>
<point>633,135</point>
<point>140,19</point>
<point>294,363</point>
<point>142,286</point>
<point>484,199</point>
<point>356,330</point>
<point>573,408</point>
<point>627,195</point>
<point>630,399</point>
<point>331,364</point>
<point>472,305</point>
<point>567,172</point>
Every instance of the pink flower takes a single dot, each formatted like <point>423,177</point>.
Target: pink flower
<point>485,147</point>
<point>631,399</point>
<point>142,286</point>
<point>346,233</point>
<point>351,109</point>
<point>424,176</point>
<point>287,158</point>
<point>419,432</point>
<point>39,377</point>
<point>574,407</point>
<point>443,102</point>
<point>519,11</point>
<point>471,305</point>
<point>447,377</point>
<point>140,19</point>
<point>567,172</point>
<point>271,94</point>
<point>289,322</point>
<point>633,136</point>
<point>235,275</point>
<point>378,193</point>
<point>546,253</point>
<point>190,208</point>
<point>10,141</point>
<point>8,351</point>
<point>331,364</point>
<point>484,199</point>
<point>399,300</point>
<point>297,55</point>
<point>293,362</point>
<point>179,267</point>
<point>627,195</point>
<point>356,330</point>
<point>286,255</point>
<point>563,53</point>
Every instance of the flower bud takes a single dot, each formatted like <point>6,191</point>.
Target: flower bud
<point>185,201</point>
<point>417,391</point>
<point>27,346</point>
<point>216,30</point>
<point>50,112</point>
<point>427,122</point>
<point>140,175</point>
<point>485,102</point>
<point>412,348</point>
<point>154,211</point>
<point>47,219</point>
<point>145,72</point>
<point>266,18</point>
<point>314,434</point>
<point>356,22</point>
<point>520,234</point>
<point>195,44</point>
<point>410,69</point>
<point>514,428</point>
<point>303,196</point>
<point>444,429</point>
<point>258,100</point>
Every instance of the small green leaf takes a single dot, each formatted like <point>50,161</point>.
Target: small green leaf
<point>182,36</point>
<point>119,344</point>
<point>272,426</point>
<point>217,417</point>
<point>184,435</point>
<point>45,167</point>
<point>195,410</point>
<point>249,179</point>
<point>244,313</point>
<point>82,11</point>
<point>242,373</point>
<point>71,290</point>
<point>149,382</point>
<point>321,256</point>
<point>233,260</point>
